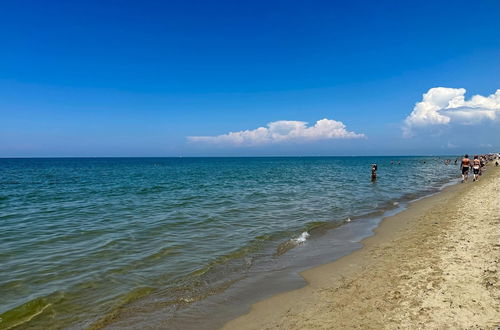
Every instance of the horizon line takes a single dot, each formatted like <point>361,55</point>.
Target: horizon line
<point>272,156</point>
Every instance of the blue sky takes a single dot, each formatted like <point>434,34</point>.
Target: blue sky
<point>173,78</point>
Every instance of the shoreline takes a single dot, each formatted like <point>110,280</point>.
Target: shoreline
<point>234,300</point>
<point>266,276</point>
<point>401,276</point>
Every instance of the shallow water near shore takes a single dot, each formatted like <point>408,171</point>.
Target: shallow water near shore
<point>98,242</point>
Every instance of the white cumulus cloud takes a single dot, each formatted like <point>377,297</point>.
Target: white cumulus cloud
<point>443,106</point>
<point>281,131</point>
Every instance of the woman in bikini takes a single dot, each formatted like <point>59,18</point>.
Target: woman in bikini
<point>464,166</point>
<point>476,166</point>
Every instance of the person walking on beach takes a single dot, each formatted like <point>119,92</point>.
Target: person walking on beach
<point>476,166</point>
<point>374,172</point>
<point>464,166</point>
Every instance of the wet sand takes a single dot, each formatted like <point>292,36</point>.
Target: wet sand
<point>433,266</point>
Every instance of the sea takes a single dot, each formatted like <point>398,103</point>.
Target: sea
<point>89,243</point>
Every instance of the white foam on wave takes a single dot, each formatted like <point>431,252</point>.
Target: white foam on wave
<point>395,203</point>
<point>348,220</point>
<point>302,238</point>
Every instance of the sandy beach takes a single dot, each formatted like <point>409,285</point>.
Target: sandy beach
<point>433,266</point>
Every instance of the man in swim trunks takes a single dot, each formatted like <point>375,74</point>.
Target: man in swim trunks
<point>464,166</point>
<point>476,166</point>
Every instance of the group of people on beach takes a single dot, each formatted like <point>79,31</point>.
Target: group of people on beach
<point>476,165</point>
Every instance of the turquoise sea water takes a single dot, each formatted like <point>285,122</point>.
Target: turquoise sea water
<point>81,238</point>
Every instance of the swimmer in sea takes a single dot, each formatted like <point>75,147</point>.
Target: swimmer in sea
<point>464,166</point>
<point>476,166</point>
<point>374,172</point>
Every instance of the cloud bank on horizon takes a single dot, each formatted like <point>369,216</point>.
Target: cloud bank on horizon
<point>282,131</point>
<point>439,107</point>
<point>444,106</point>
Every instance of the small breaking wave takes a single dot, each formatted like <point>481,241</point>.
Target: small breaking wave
<point>290,244</point>
<point>302,238</point>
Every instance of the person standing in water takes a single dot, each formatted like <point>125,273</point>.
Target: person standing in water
<point>374,172</point>
<point>476,166</point>
<point>464,166</point>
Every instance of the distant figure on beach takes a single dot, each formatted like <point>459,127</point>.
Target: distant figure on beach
<point>456,159</point>
<point>476,167</point>
<point>374,172</point>
<point>464,166</point>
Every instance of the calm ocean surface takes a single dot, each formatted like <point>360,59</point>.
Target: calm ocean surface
<point>80,238</point>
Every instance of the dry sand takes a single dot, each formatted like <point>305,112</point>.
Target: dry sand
<point>433,266</point>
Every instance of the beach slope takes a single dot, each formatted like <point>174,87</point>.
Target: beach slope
<point>433,266</point>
